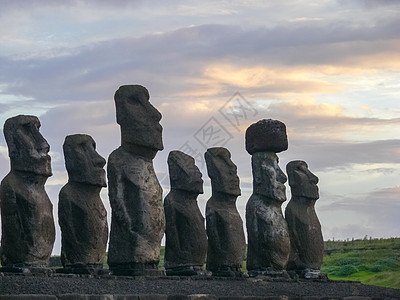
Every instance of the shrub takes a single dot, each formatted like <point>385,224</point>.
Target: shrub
<point>387,264</point>
<point>347,270</point>
<point>348,261</point>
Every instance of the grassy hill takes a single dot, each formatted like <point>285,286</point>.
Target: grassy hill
<point>371,261</point>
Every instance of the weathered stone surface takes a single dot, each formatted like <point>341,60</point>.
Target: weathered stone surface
<point>86,297</point>
<point>186,238</point>
<point>266,135</point>
<point>141,132</point>
<point>138,220</point>
<point>28,230</point>
<point>226,241</point>
<point>307,244</point>
<point>29,297</point>
<point>267,230</point>
<point>222,171</point>
<point>81,213</point>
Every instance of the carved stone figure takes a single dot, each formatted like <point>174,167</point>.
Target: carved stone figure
<point>267,230</point>
<point>28,230</point>
<point>186,238</point>
<point>138,220</point>
<point>226,241</point>
<point>307,244</point>
<point>81,213</point>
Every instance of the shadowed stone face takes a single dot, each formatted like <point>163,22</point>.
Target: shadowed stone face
<point>226,241</point>
<point>268,178</point>
<point>82,161</point>
<point>222,171</point>
<point>28,150</point>
<point>27,222</point>
<point>186,239</point>
<point>302,182</point>
<point>183,173</point>
<point>141,131</point>
<point>304,227</point>
<point>82,216</point>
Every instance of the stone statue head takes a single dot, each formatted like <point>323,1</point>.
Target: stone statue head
<point>28,150</point>
<point>302,182</point>
<point>222,171</point>
<point>183,173</point>
<point>268,178</point>
<point>141,131</point>
<point>82,162</point>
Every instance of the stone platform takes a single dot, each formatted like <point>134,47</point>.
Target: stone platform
<point>68,287</point>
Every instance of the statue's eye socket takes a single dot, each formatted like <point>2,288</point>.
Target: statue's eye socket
<point>134,101</point>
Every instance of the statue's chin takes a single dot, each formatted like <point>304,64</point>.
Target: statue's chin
<point>42,169</point>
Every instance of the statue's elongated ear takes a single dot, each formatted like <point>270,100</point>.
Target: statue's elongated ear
<point>9,139</point>
<point>257,178</point>
<point>174,176</point>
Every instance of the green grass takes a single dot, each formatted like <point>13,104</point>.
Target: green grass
<point>371,261</point>
<point>386,279</point>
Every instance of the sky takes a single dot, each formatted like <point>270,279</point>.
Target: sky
<point>328,69</point>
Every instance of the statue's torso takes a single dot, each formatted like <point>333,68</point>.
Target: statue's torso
<point>28,231</point>
<point>138,220</point>
<point>268,235</point>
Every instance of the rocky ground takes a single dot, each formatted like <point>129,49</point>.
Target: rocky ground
<point>57,284</point>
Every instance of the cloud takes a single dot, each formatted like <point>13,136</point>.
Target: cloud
<point>326,155</point>
<point>377,211</point>
<point>13,5</point>
<point>185,60</point>
<point>4,161</point>
<point>375,3</point>
<point>4,152</point>
<point>305,117</point>
<point>372,3</point>
<point>273,81</point>
<point>384,171</point>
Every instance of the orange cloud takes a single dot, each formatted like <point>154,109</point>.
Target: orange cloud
<point>277,81</point>
<point>308,106</point>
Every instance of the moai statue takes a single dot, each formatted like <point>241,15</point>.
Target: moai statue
<point>186,238</point>
<point>28,230</point>
<point>307,244</point>
<point>267,231</point>
<point>138,220</point>
<point>226,241</point>
<point>81,213</point>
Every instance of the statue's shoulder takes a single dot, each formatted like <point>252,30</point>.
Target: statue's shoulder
<point>6,180</point>
<point>69,194</point>
<point>122,158</point>
<point>9,183</point>
<point>116,155</point>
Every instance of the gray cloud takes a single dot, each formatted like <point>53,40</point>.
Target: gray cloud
<point>333,155</point>
<point>8,5</point>
<point>179,57</point>
<point>380,209</point>
<point>370,3</point>
<point>384,171</point>
<point>377,3</point>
